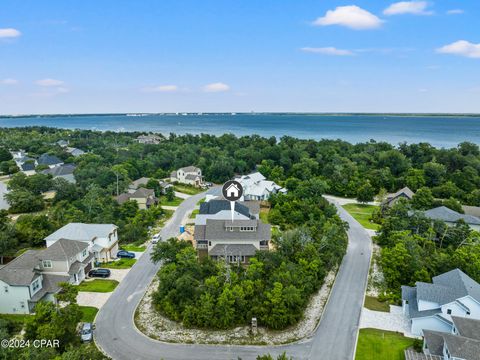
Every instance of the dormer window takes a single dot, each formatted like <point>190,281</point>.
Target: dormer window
<point>47,264</point>
<point>84,253</point>
<point>35,285</point>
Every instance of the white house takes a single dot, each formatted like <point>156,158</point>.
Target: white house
<point>257,187</point>
<point>102,239</point>
<point>34,275</point>
<point>431,306</point>
<point>190,175</point>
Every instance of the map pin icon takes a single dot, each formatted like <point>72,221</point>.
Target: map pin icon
<point>232,191</point>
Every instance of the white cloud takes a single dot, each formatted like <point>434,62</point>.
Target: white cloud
<point>455,12</point>
<point>9,81</point>
<point>461,48</point>
<point>328,51</point>
<point>49,82</point>
<point>9,33</point>
<point>350,16</point>
<point>216,87</point>
<point>162,88</point>
<point>408,7</point>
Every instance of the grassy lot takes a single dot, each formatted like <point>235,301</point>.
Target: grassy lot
<point>372,303</point>
<point>264,215</point>
<point>133,247</point>
<point>175,202</point>
<point>98,285</point>
<point>187,189</point>
<point>381,345</point>
<point>120,264</point>
<point>194,213</point>
<point>362,213</point>
<point>89,313</point>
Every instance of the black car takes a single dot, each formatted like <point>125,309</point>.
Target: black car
<point>125,254</point>
<point>103,273</point>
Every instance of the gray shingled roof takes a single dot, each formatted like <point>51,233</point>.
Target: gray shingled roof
<point>49,285</point>
<point>200,232</point>
<point>253,206</point>
<point>66,169</point>
<point>467,327</point>
<point>436,293</point>
<point>82,232</point>
<point>232,249</point>
<point>445,214</point>
<point>188,169</point>
<point>462,347</point>
<point>21,270</point>
<point>191,176</point>
<point>215,230</point>
<point>137,183</point>
<point>28,166</point>
<point>237,223</point>
<point>47,159</point>
<point>215,206</point>
<point>460,282</point>
<point>434,341</point>
<point>62,250</point>
<point>410,294</point>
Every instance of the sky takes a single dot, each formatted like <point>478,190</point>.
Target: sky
<point>61,56</point>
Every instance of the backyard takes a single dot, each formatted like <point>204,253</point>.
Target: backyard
<point>98,285</point>
<point>381,345</point>
<point>362,213</point>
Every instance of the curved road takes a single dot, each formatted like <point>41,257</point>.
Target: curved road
<point>334,338</point>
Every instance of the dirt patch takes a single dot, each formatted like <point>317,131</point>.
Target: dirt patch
<point>376,281</point>
<point>156,326</point>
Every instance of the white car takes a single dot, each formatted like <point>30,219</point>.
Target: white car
<point>156,238</point>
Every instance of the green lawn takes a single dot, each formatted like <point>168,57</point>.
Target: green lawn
<point>17,321</point>
<point>89,313</point>
<point>362,213</point>
<point>374,304</point>
<point>202,200</point>
<point>186,189</point>
<point>376,344</point>
<point>133,247</point>
<point>120,264</point>
<point>175,202</point>
<point>98,285</point>
<point>264,215</point>
<point>194,213</point>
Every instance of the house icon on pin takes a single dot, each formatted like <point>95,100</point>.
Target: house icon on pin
<point>233,191</point>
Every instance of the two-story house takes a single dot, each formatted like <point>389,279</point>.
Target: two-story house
<point>451,217</point>
<point>102,239</point>
<point>145,198</point>
<point>217,236</point>
<point>190,175</point>
<point>257,187</point>
<point>431,306</point>
<point>34,276</point>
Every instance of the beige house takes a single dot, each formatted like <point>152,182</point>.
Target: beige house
<point>102,239</point>
<point>145,198</point>
<point>189,175</point>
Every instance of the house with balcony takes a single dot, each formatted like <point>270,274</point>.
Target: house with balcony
<point>234,241</point>
<point>102,239</point>
<point>430,306</point>
<point>35,275</point>
<point>190,175</point>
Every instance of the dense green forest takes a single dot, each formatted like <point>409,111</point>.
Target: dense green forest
<point>276,286</point>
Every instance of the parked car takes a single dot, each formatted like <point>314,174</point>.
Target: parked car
<point>103,273</point>
<point>125,254</point>
<point>86,333</point>
<point>156,238</point>
<point>209,184</point>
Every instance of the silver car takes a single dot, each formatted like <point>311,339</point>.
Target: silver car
<point>86,333</point>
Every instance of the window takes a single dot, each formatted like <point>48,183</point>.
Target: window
<point>84,252</point>
<point>35,285</point>
<point>247,228</point>
<point>47,264</point>
<point>449,311</point>
<point>6,289</point>
<point>468,312</point>
<point>22,304</point>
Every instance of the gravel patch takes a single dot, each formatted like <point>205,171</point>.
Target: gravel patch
<point>154,325</point>
<point>376,280</point>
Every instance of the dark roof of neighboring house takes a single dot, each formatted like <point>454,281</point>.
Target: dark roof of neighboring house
<point>467,327</point>
<point>21,270</point>
<point>47,159</point>
<point>215,230</point>
<point>444,289</point>
<point>62,250</point>
<point>215,206</point>
<point>28,166</point>
<point>62,170</point>
<point>445,214</point>
<point>233,249</point>
<point>462,347</point>
<point>142,181</point>
<point>434,341</point>
<point>404,192</point>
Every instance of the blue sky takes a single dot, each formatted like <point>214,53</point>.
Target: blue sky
<point>270,55</point>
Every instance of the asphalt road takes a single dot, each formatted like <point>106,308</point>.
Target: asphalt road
<point>334,339</point>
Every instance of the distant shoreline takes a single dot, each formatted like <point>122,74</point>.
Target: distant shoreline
<point>140,114</point>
